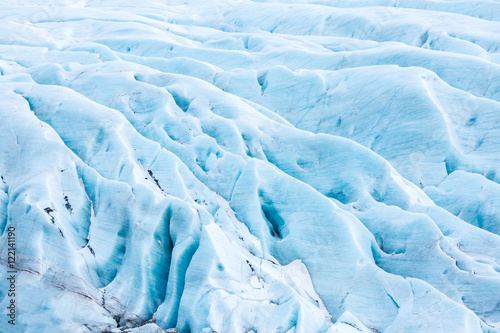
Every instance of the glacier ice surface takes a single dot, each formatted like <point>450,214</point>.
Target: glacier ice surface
<point>251,166</point>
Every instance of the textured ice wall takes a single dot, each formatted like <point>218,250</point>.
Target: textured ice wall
<point>239,166</point>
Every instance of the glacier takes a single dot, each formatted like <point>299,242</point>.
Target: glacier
<point>251,166</point>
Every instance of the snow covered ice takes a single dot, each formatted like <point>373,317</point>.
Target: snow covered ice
<point>251,166</point>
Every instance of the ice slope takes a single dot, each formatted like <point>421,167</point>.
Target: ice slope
<point>239,166</point>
